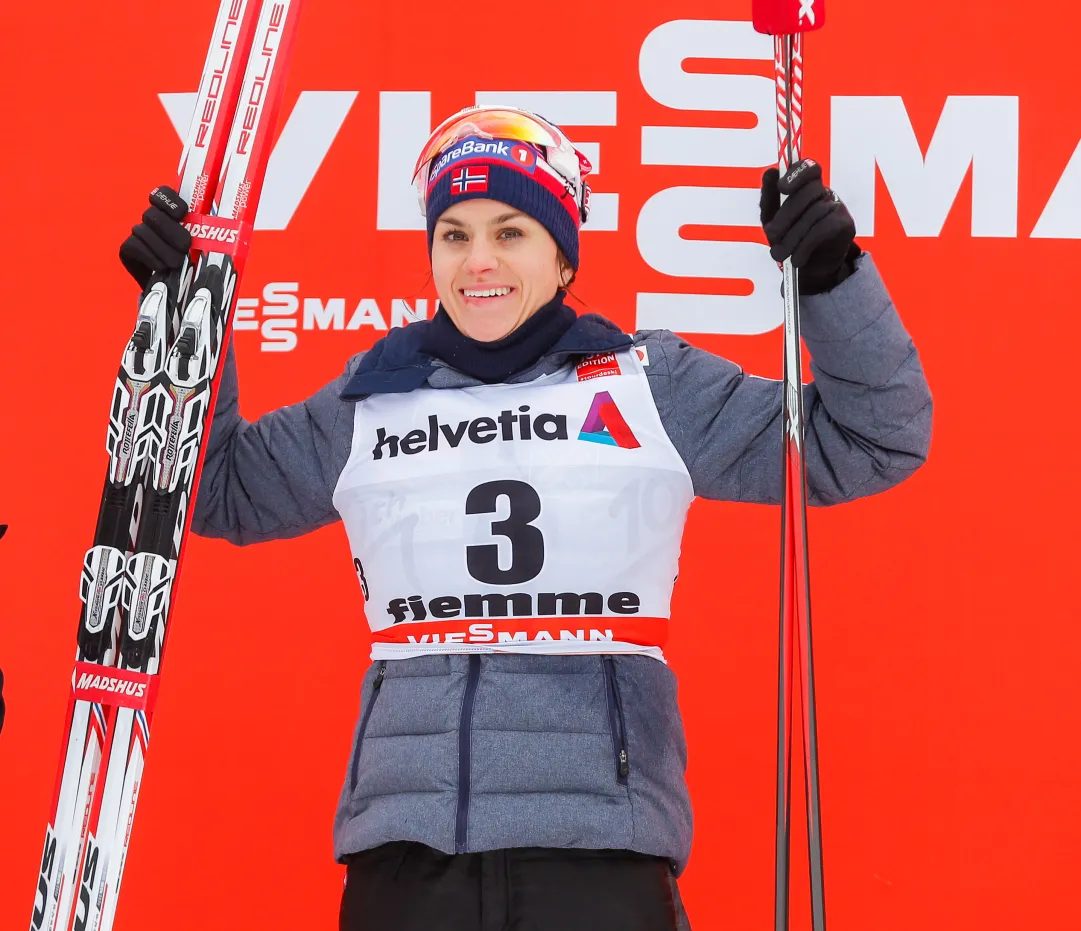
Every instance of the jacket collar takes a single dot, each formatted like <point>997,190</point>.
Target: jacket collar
<point>397,363</point>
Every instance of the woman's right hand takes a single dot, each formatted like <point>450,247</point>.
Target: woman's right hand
<point>159,243</point>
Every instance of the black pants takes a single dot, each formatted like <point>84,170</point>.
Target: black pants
<point>411,887</point>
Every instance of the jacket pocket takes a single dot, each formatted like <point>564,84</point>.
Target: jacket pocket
<point>616,720</point>
<point>376,690</point>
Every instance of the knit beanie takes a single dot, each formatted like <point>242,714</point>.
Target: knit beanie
<point>509,171</point>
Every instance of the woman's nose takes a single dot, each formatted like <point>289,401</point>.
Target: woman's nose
<point>481,257</point>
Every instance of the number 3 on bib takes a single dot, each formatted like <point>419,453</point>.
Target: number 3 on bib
<point>526,541</point>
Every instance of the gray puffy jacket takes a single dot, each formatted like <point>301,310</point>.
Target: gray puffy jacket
<point>479,752</point>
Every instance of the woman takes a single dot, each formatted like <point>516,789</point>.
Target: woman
<point>519,760</point>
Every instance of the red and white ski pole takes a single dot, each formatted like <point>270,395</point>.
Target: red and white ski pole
<point>786,21</point>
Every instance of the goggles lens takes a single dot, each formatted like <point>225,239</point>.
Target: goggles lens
<point>559,156</point>
<point>494,123</point>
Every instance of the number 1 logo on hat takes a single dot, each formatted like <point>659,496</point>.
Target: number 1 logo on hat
<point>524,156</point>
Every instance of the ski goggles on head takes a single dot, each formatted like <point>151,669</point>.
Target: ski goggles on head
<point>558,155</point>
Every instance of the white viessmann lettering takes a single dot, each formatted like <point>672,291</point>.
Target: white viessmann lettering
<point>283,311</point>
<point>872,137</point>
<point>484,633</point>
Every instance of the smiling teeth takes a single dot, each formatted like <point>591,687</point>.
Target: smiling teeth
<point>489,292</point>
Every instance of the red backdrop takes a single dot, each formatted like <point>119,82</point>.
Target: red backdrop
<point>946,630</point>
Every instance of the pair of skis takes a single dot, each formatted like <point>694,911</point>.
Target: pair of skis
<point>787,21</point>
<point>162,400</point>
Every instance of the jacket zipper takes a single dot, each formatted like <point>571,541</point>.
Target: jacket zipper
<point>616,720</point>
<point>376,686</point>
<point>465,726</point>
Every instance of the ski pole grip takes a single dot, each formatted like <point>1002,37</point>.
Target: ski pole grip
<point>788,17</point>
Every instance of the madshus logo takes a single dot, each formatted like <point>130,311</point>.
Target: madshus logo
<point>214,232</point>
<point>507,426</point>
<point>108,683</point>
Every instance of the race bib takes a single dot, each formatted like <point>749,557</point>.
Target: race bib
<point>539,517</point>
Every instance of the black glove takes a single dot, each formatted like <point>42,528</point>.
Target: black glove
<point>159,243</point>
<point>812,226</point>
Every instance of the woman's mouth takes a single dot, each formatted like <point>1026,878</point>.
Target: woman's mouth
<point>484,297</point>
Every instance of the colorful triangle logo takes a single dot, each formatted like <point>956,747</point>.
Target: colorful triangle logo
<point>605,424</point>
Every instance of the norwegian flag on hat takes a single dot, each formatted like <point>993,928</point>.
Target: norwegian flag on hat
<point>469,180</point>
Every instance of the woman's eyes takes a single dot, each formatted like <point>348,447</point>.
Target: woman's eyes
<point>505,234</point>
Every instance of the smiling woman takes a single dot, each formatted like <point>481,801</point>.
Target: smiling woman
<point>494,267</point>
<point>519,759</point>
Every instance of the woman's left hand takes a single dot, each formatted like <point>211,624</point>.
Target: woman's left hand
<point>812,226</point>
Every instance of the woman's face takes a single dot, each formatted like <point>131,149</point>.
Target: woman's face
<point>494,267</point>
